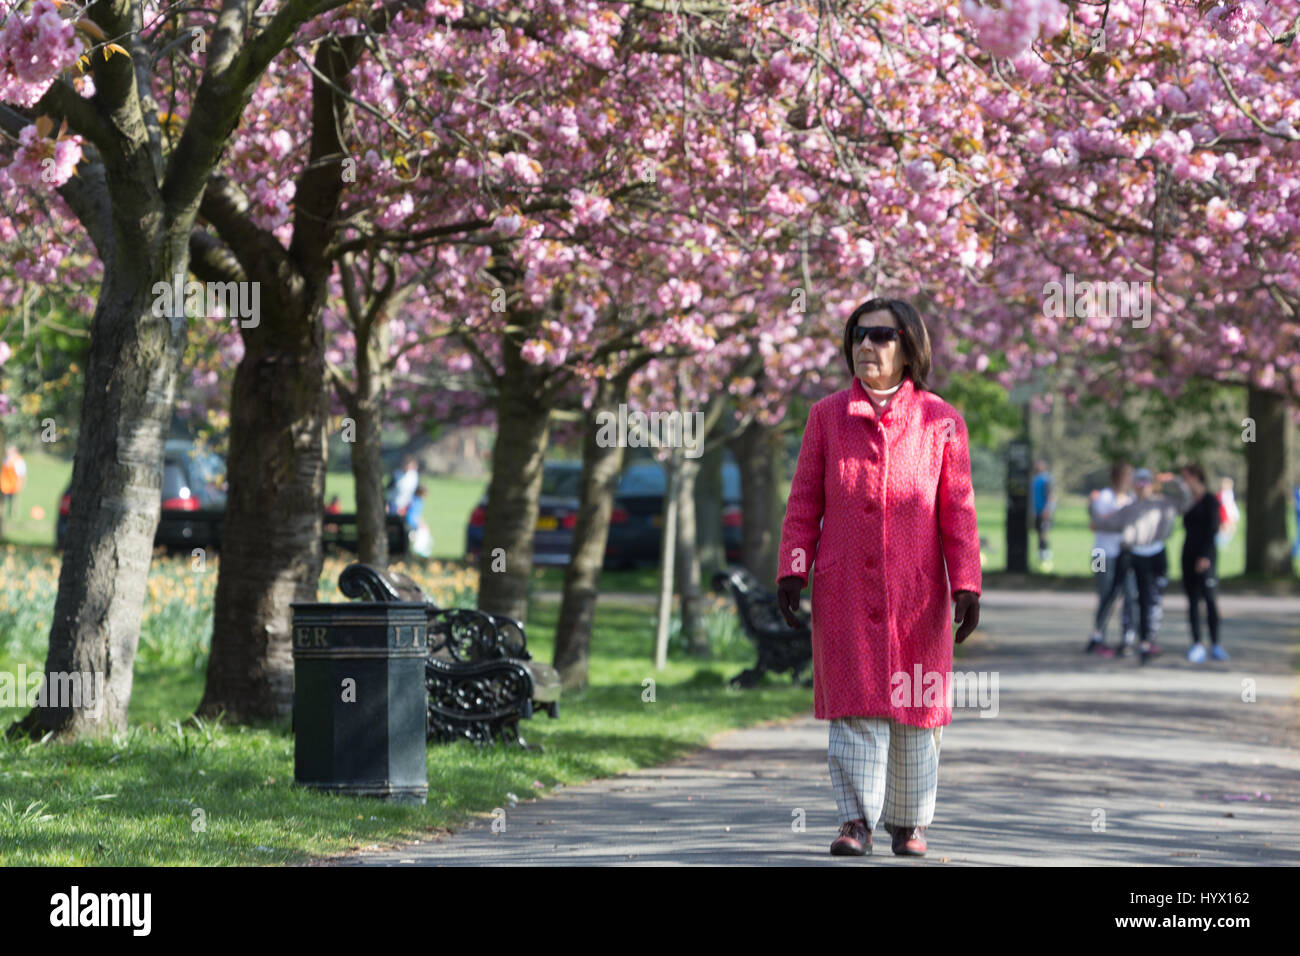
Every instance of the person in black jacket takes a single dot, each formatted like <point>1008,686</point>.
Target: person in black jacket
<point>1200,557</point>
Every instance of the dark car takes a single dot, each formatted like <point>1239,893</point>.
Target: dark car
<point>635,523</point>
<point>193,499</point>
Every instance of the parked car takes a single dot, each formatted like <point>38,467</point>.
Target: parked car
<point>194,505</point>
<point>635,524</point>
<point>193,499</point>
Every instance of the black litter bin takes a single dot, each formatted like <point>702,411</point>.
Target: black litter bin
<point>360,703</point>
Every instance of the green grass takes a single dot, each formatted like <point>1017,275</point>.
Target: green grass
<point>132,800</point>
<point>449,503</point>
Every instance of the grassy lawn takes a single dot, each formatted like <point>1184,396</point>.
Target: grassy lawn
<point>450,502</point>
<point>176,791</point>
<point>452,499</point>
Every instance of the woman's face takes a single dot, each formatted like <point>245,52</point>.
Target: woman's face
<point>879,366</point>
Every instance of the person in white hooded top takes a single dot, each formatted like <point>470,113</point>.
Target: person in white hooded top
<point>1107,547</point>
<point>1145,524</point>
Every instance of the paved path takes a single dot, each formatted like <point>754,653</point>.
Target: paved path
<point>1087,761</point>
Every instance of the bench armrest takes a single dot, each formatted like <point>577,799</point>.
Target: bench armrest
<point>367,582</point>
<point>470,636</point>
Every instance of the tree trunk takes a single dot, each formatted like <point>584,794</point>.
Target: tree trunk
<point>709,543</point>
<point>758,453</point>
<point>366,409</point>
<point>600,472</point>
<point>1267,486</point>
<point>271,539</point>
<point>688,560</point>
<point>130,383</point>
<point>523,415</point>
<point>667,554</point>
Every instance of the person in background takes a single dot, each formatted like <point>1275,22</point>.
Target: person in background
<point>1295,500</point>
<point>1145,524</point>
<point>13,475</point>
<point>1108,580</point>
<point>333,508</point>
<point>1228,514</point>
<point>1201,523</point>
<point>415,509</point>
<point>417,530</point>
<point>404,486</point>
<point>1044,501</point>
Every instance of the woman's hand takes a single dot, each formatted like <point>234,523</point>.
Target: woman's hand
<point>1202,565</point>
<point>967,614</point>
<point>788,590</point>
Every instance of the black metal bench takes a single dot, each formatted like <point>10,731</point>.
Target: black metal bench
<point>482,681</point>
<point>781,648</point>
<point>339,533</point>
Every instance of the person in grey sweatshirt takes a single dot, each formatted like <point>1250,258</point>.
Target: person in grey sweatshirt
<point>1145,524</point>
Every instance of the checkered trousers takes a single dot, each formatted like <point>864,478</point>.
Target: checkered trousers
<point>884,771</point>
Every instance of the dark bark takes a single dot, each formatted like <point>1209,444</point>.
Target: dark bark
<point>367,308</point>
<point>271,539</point>
<point>1267,488</point>
<point>601,467</point>
<point>523,414</point>
<point>368,471</point>
<point>709,545</point>
<point>758,452</point>
<point>130,382</point>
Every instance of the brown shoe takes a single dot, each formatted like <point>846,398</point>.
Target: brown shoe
<point>854,839</point>
<point>909,841</point>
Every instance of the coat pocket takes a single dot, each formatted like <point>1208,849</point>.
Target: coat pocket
<point>827,563</point>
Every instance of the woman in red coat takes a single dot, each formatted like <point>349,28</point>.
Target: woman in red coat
<point>882,508</point>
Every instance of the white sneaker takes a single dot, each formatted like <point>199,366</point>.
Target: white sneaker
<point>1196,653</point>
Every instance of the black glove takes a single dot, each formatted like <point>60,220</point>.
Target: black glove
<point>967,614</point>
<point>788,590</point>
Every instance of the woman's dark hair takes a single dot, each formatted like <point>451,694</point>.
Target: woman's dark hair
<point>1117,471</point>
<point>1195,469</point>
<point>912,335</point>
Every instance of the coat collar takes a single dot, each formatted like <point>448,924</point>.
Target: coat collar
<point>860,402</point>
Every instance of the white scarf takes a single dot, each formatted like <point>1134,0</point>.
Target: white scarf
<point>881,398</point>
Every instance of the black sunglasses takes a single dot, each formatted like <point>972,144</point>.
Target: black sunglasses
<point>879,334</point>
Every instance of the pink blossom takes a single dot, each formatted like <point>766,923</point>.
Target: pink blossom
<point>1011,30</point>
<point>33,51</point>
<point>1233,21</point>
<point>533,352</point>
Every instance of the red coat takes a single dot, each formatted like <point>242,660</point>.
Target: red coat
<point>886,510</point>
